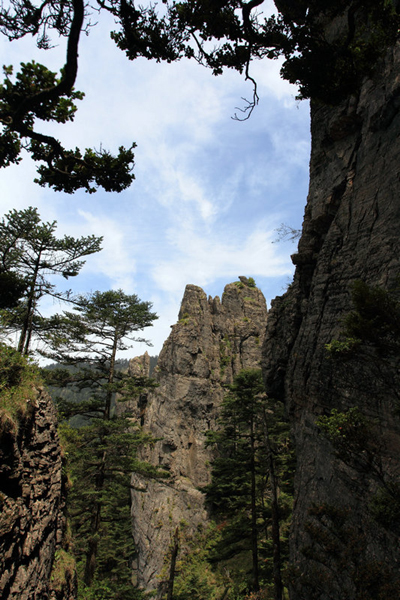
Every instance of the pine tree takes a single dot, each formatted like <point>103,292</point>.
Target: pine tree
<point>29,254</point>
<point>101,458</point>
<point>103,453</point>
<point>252,465</point>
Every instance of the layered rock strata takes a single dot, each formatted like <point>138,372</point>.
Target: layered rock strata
<point>350,232</point>
<point>213,340</point>
<point>32,500</point>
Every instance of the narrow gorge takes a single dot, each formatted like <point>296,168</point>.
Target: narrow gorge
<point>328,348</point>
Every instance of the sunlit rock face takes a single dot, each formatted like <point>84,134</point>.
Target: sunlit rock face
<point>350,232</point>
<point>213,340</point>
<point>32,508</point>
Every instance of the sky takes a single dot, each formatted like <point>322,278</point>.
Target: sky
<point>210,192</point>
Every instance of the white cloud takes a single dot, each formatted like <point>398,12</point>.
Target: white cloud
<point>114,260</point>
<point>209,191</point>
<point>201,259</point>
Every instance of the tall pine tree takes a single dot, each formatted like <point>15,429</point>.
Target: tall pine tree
<point>30,254</point>
<point>249,473</point>
<point>102,453</point>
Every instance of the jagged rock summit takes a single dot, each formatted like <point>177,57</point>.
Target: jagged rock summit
<point>213,340</point>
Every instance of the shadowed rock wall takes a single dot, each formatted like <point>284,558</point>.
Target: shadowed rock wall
<point>32,501</point>
<point>350,232</point>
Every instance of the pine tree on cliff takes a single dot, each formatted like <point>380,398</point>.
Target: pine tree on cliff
<point>104,452</point>
<point>324,69</point>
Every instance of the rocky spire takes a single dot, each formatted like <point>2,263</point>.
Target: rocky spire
<point>213,340</point>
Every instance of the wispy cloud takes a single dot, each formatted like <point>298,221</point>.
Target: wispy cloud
<point>201,258</point>
<point>209,191</point>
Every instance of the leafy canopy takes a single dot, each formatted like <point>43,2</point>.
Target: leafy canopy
<point>220,34</point>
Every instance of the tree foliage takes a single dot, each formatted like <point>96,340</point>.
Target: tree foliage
<point>101,458</point>
<point>89,338</point>
<point>30,256</point>
<point>367,351</point>
<point>253,466</point>
<point>104,452</point>
<point>217,34</point>
<point>38,94</point>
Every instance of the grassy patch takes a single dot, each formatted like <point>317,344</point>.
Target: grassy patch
<point>63,570</point>
<point>19,378</point>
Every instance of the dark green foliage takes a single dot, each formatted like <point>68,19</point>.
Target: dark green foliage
<point>96,168</point>
<point>366,355</point>
<point>385,506</point>
<point>375,319</point>
<point>103,453</point>
<point>325,69</point>
<point>37,94</point>
<point>12,288</point>
<point>101,458</point>
<point>374,322</point>
<point>29,254</point>
<point>328,70</point>
<point>224,34</point>
<point>195,578</point>
<point>353,436</point>
<point>254,458</point>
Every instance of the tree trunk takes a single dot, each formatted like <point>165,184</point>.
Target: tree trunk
<point>174,556</point>
<point>23,344</point>
<point>276,538</point>
<point>111,372</point>
<point>91,554</point>
<point>254,531</point>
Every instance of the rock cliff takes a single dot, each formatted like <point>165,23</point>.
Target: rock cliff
<point>213,340</point>
<point>33,565</point>
<point>350,232</point>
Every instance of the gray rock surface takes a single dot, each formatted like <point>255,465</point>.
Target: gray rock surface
<point>350,232</point>
<point>213,340</point>
<point>32,501</point>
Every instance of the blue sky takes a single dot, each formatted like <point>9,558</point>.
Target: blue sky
<point>209,193</point>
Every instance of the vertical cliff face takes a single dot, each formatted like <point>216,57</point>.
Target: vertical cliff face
<point>32,521</point>
<point>350,232</point>
<point>213,340</point>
